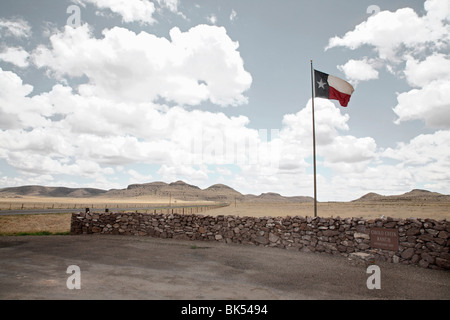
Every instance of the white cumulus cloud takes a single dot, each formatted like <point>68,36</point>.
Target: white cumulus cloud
<point>411,46</point>
<point>194,66</point>
<point>15,55</point>
<point>359,70</point>
<point>130,10</point>
<point>434,67</point>
<point>390,33</point>
<point>430,104</point>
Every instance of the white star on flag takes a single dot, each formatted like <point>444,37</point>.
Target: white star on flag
<point>321,84</point>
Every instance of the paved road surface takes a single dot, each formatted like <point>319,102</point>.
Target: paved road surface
<point>122,267</point>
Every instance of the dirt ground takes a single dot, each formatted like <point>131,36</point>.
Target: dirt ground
<point>121,267</point>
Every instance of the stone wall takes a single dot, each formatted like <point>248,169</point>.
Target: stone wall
<point>423,242</point>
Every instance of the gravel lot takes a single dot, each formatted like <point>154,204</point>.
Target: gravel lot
<point>121,267</point>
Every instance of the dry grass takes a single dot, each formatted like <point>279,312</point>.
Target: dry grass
<point>34,223</point>
<point>404,210</point>
<point>60,223</point>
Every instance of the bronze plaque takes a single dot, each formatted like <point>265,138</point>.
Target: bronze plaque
<point>384,238</point>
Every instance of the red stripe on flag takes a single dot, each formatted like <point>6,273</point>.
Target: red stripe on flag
<point>337,95</point>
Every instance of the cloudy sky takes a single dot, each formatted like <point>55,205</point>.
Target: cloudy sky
<point>105,93</point>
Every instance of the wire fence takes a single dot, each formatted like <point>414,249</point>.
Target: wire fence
<point>137,207</point>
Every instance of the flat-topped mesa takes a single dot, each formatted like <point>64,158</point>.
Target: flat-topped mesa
<point>413,195</point>
<point>271,196</point>
<point>420,192</point>
<point>150,185</point>
<point>276,197</point>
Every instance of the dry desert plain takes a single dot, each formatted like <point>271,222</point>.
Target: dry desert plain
<point>60,222</point>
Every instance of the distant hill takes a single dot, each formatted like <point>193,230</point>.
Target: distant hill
<point>221,192</point>
<point>370,196</point>
<point>41,191</point>
<point>182,191</point>
<point>413,195</point>
<point>178,190</point>
<point>276,197</point>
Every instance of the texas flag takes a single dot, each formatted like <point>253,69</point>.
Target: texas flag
<point>331,87</point>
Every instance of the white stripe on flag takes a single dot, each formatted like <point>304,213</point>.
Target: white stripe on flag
<point>340,85</point>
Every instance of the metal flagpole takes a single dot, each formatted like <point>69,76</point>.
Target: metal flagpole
<point>314,140</point>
